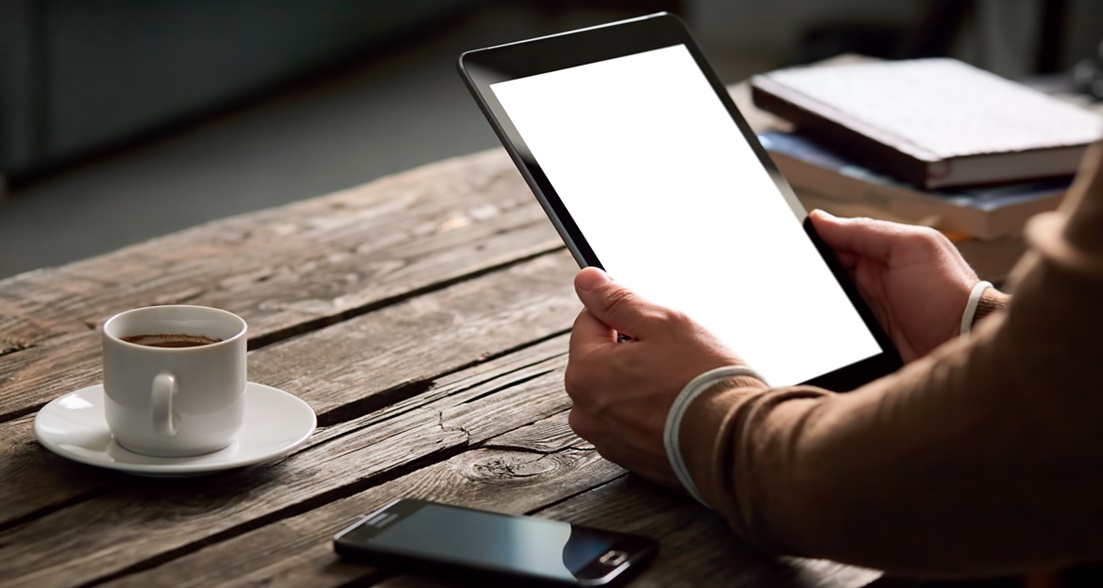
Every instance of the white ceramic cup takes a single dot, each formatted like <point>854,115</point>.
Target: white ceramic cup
<point>174,401</point>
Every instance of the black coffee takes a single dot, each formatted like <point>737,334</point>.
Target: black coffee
<point>174,340</point>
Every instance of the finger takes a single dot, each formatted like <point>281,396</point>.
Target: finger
<point>586,366</point>
<point>589,334</point>
<point>864,237</point>
<point>609,302</point>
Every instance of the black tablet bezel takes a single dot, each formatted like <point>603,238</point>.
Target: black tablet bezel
<point>483,67</point>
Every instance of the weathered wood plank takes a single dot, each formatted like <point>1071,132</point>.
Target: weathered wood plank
<point>516,472</point>
<point>346,261</point>
<point>151,520</point>
<point>418,315</point>
<point>350,368</point>
<point>432,199</point>
<point>698,548</point>
<point>35,480</point>
<point>339,369</point>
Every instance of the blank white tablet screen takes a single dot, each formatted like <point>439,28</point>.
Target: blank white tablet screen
<point>676,206</point>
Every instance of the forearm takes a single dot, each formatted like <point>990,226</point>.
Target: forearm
<point>990,301</point>
<point>740,422</point>
<point>981,458</point>
<point>906,474</point>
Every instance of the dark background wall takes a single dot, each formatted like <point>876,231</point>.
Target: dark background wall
<point>122,120</point>
<point>79,75</point>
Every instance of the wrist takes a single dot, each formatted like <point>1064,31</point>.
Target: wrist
<point>672,429</point>
<point>968,316</point>
<point>991,301</point>
<point>984,299</point>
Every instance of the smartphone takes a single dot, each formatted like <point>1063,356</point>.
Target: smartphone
<point>428,537</point>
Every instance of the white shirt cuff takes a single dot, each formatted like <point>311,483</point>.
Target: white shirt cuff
<point>674,419</point>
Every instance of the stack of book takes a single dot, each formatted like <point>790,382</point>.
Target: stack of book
<point>931,141</point>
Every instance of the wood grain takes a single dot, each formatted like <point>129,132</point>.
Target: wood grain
<point>698,549</point>
<point>286,271</point>
<point>517,473</point>
<point>147,521</point>
<point>351,368</point>
<point>504,475</point>
<point>424,318</point>
<point>430,200</point>
<point>37,481</point>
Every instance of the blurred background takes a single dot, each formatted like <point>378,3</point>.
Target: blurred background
<point>122,120</point>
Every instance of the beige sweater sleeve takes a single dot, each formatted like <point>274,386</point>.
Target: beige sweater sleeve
<point>984,457</point>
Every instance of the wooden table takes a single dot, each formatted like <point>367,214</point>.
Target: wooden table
<point>424,317</point>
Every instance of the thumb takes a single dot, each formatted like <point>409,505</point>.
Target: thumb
<point>863,237</point>
<point>609,302</point>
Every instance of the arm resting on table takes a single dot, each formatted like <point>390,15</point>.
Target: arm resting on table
<point>984,457</point>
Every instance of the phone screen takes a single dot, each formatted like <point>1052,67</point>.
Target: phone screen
<point>484,540</point>
<point>677,206</point>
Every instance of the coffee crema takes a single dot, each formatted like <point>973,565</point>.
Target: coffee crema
<point>174,340</point>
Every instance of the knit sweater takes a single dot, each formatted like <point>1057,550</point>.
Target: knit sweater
<point>983,457</point>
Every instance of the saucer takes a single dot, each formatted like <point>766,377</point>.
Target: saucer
<point>74,426</point>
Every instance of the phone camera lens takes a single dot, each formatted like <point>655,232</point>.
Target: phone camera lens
<point>613,558</point>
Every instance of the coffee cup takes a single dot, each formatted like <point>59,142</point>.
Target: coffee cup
<point>174,379</point>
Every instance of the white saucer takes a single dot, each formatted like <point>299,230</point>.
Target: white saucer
<point>74,426</point>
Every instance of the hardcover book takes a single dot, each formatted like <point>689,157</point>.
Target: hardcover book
<point>934,123</point>
<point>824,179</point>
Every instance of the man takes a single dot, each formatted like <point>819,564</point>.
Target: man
<point>982,456</point>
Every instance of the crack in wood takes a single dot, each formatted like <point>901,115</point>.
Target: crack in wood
<point>511,384</point>
<point>351,411</point>
<point>10,347</point>
<point>287,512</point>
<point>533,450</point>
<point>365,406</point>
<point>460,428</point>
<point>511,350</point>
<point>12,523</point>
<point>20,413</point>
<point>367,419</point>
<point>181,297</point>
<point>555,503</point>
<point>369,404</point>
<point>317,323</point>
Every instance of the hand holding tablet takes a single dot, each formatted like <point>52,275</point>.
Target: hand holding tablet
<point>646,168</point>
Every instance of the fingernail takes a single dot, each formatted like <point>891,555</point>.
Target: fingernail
<point>591,278</point>
<point>824,213</point>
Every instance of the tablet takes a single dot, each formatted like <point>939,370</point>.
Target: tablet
<point>646,168</point>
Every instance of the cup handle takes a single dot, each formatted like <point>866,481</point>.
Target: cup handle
<point>164,388</point>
